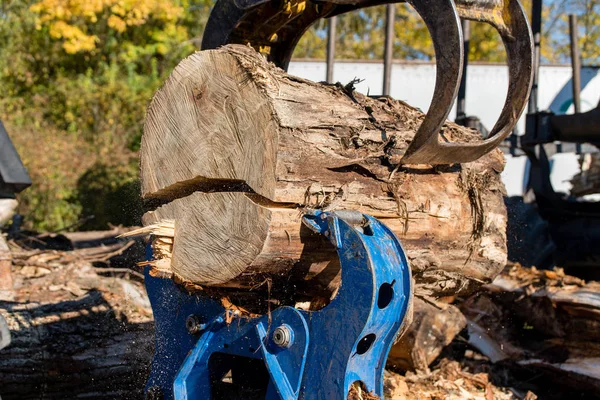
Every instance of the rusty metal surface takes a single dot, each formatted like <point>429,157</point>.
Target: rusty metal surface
<point>273,28</point>
<point>510,20</point>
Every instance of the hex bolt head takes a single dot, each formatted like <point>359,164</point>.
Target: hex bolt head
<point>283,336</point>
<point>193,325</point>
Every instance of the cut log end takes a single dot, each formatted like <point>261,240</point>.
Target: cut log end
<point>216,236</point>
<point>209,96</point>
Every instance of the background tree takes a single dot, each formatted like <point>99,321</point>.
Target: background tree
<point>557,28</point>
<point>76,76</point>
<point>361,34</point>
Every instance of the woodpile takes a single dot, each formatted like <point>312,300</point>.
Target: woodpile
<point>79,326</point>
<point>82,326</point>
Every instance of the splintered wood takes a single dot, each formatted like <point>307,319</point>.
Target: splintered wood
<point>235,150</point>
<point>162,246</point>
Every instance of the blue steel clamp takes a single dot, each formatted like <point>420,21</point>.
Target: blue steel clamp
<point>306,354</point>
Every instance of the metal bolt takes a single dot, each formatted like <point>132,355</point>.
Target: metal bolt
<point>193,325</point>
<point>282,336</point>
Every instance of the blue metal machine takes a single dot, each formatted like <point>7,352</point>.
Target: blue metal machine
<point>289,353</point>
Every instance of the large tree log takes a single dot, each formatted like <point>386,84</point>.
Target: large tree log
<point>273,145</point>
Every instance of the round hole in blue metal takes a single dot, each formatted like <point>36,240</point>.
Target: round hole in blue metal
<point>365,343</point>
<point>385,296</point>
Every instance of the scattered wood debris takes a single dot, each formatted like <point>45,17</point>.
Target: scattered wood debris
<point>77,310</point>
<point>449,380</point>
<point>435,324</point>
<point>540,319</point>
<point>80,325</point>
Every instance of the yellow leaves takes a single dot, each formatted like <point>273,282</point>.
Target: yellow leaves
<point>67,9</point>
<point>76,22</point>
<point>117,23</point>
<point>74,40</point>
<point>412,35</point>
<point>162,49</point>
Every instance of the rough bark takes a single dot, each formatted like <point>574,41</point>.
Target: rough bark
<point>234,150</point>
<point>434,326</point>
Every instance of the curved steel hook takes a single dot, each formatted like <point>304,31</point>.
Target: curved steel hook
<point>510,20</point>
<point>271,27</point>
<point>441,18</point>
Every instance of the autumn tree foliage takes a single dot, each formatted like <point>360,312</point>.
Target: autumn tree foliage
<point>76,77</point>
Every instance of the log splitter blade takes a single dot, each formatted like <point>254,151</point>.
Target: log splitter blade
<point>303,354</point>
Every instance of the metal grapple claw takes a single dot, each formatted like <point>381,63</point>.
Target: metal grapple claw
<point>442,20</point>
<point>274,27</point>
<point>288,354</point>
<point>510,20</point>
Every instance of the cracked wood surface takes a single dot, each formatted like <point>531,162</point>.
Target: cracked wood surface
<point>235,149</point>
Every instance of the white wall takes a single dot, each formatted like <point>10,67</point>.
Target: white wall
<point>413,82</point>
<point>486,85</point>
